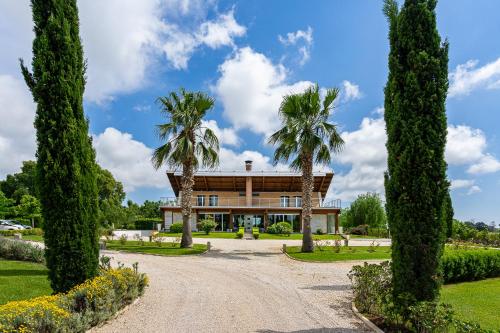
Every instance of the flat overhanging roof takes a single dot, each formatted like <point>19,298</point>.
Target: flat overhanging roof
<point>262,181</point>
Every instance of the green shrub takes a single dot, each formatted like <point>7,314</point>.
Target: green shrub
<point>84,306</point>
<point>373,295</point>
<point>19,250</point>
<point>24,232</point>
<point>240,233</point>
<point>255,233</point>
<point>468,265</point>
<point>123,239</point>
<point>207,225</point>
<point>319,231</point>
<point>146,223</point>
<point>176,227</point>
<point>280,228</point>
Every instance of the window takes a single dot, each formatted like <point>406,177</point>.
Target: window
<point>285,201</point>
<point>298,201</point>
<point>213,200</point>
<point>200,200</point>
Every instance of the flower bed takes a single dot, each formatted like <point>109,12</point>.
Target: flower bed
<point>84,306</point>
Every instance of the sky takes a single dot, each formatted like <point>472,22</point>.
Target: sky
<point>247,55</point>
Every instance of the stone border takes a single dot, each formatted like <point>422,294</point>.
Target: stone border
<point>365,320</point>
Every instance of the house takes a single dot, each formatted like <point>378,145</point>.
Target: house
<point>252,199</point>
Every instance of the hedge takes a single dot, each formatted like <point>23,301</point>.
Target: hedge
<point>141,224</point>
<point>470,264</point>
<point>19,250</point>
<point>84,306</point>
<point>34,231</point>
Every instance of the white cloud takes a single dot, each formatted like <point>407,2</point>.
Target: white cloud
<point>142,108</point>
<point>17,134</point>
<point>123,39</point>
<point>251,89</point>
<point>467,146</point>
<point>486,164</point>
<point>349,91</point>
<point>226,136</point>
<point>474,189</point>
<point>300,37</point>
<point>127,159</point>
<point>220,32</point>
<point>365,152</point>
<point>461,183</point>
<point>467,77</point>
<point>180,45</point>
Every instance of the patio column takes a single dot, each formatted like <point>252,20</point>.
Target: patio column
<point>337,223</point>
<point>248,187</point>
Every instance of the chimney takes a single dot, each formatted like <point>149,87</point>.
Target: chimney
<point>248,165</point>
<point>248,192</point>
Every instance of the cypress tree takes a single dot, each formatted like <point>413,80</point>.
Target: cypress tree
<point>66,169</point>
<point>415,183</point>
<point>448,215</point>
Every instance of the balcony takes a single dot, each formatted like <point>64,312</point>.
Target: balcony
<point>241,202</point>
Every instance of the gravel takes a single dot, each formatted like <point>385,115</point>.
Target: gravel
<point>240,286</point>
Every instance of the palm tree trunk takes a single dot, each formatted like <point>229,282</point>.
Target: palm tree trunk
<point>307,188</point>
<point>187,190</point>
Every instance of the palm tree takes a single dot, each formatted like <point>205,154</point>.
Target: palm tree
<point>189,145</point>
<point>307,137</point>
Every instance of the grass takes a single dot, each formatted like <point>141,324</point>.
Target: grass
<point>166,249</point>
<point>21,280</point>
<point>475,301</point>
<point>232,235</point>
<point>346,253</point>
<point>34,238</point>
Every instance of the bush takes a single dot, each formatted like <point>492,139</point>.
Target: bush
<point>359,230</point>
<point>25,232</point>
<point>280,228</point>
<point>176,228</point>
<point>319,231</point>
<point>372,288</point>
<point>255,233</point>
<point>19,250</point>
<point>207,225</point>
<point>240,233</point>
<point>468,265</point>
<point>147,223</point>
<point>84,306</point>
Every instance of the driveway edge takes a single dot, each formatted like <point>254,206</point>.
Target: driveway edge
<point>365,320</point>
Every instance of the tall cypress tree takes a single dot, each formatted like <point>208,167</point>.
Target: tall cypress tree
<point>66,170</point>
<point>415,183</point>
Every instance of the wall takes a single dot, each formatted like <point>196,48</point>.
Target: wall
<point>318,221</point>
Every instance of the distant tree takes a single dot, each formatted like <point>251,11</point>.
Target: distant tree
<point>5,205</point>
<point>150,209</point>
<point>29,208</point>
<point>448,215</point>
<point>307,137</point>
<point>366,209</point>
<point>415,116</point>
<point>66,168</point>
<point>22,183</point>
<point>111,196</point>
<point>188,145</point>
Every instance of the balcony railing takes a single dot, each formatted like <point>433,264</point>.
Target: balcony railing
<point>256,202</point>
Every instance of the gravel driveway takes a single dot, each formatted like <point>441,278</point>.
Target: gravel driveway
<point>241,286</point>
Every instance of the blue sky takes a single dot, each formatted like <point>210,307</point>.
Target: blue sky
<point>247,54</point>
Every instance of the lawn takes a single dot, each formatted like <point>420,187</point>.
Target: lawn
<point>166,249</point>
<point>34,238</point>
<point>477,301</point>
<point>346,253</point>
<point>197,234</point>
<point>21,280</point>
